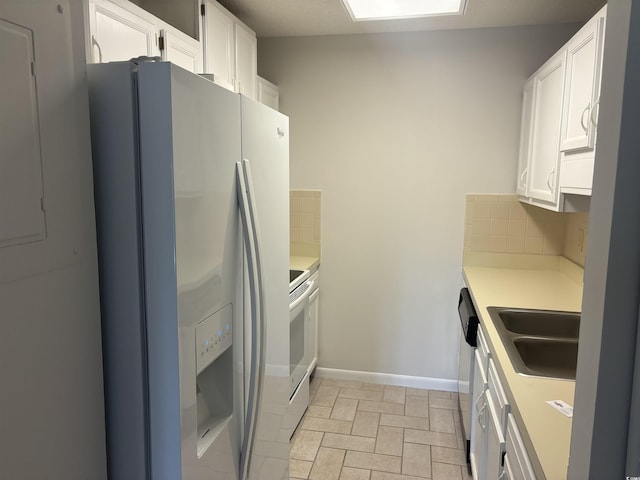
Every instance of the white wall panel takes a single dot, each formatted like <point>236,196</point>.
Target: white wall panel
<point>51,397</point>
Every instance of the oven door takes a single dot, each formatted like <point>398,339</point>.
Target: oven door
<point>299,347</point>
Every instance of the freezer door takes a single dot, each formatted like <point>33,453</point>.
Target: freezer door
<point>189,145</point>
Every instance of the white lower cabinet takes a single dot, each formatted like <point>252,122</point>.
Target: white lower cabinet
<point>508,469</point>
<point>489,418</point>
<point>478,452</point>
<point>495,440</point>
<point>516,460</point>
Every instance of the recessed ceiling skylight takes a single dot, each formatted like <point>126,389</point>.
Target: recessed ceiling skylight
<point>393,9</point>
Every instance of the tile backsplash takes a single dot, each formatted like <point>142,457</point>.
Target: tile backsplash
<point>502,224</point>
<point>575,238</point>
<point>305,222</point>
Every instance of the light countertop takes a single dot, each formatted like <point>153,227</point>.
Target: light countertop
<point>539,282</point>
<point>303,263</point>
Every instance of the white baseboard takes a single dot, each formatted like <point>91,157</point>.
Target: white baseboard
<point>429,383</point>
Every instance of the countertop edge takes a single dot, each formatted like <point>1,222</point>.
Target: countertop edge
<point>303,263</point>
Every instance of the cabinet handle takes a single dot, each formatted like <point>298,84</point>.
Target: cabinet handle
<point>585,127</point>
<point>95,42</point>
<point>594,120</point>
<point>478,400</point>
<point>522,177</point>
<point>502,475</point>
<point>481,410</point>
<point>552,172</point>
<point>481,416</point>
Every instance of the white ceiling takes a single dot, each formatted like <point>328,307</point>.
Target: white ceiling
<point>287,18</point>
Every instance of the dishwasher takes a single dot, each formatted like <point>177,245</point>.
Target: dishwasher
<point>468,333</point>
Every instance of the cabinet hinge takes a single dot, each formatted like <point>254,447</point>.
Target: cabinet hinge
<point>161,43</point>
<point>202,9</point>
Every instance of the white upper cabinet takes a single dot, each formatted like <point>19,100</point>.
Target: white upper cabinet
<point>246,60</point>
<point>120,31</point>
<point>525,137</point>
<point>268,93</point>
<point>584,65</point>
<point>545,133</point>
<point>219,44</point>
<point>231,50</point>
<point>559,120</point>
<point>179,48</point>
<point>584,71</point>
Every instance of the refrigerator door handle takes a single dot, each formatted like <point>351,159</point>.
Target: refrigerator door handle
<point>256,375</point>
<point>262,327</point>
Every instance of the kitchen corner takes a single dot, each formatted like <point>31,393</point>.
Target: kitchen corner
<point>539,282</point>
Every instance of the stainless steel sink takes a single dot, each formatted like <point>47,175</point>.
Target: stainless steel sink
<point>539,342</point>
<point>545,323</point>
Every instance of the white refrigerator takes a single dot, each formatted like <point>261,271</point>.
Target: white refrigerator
<point>192,203</point>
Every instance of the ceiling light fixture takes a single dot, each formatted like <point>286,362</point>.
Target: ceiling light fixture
<point>363,10</point>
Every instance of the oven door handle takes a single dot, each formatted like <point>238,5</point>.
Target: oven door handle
<point>307,293</point>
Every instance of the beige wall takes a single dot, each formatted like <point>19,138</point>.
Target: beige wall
<point>395,129</point>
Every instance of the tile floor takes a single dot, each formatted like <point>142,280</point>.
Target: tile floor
<point>360,431</point>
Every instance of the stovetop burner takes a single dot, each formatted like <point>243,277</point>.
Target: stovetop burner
<point>293,274</point>
<point>296,278</point>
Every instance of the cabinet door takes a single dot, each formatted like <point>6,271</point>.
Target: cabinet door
<point>584,58</point>
<point>508,469</point>
<point>219,40</point>
<point>478,452</point>
<point>525,137</point>
<point>246,61</point>
<point>516,457</point>
<point>495,440</point>
<point>120,34</point>
<point>268,94</point>
<point>179,48</point>
<point>545,134</point>
<point>314,317</point>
